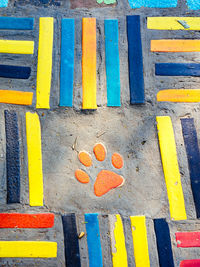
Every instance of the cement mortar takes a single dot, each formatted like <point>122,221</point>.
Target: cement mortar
<point>129,130</point>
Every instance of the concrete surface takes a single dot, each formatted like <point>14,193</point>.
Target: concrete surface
<point>129,130</point>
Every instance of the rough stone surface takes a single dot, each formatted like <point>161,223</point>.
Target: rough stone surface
<point>88,4</point>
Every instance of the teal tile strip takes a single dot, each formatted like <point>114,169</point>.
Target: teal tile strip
<point>3,3</point>
<point>193,4</point>
<point>154,3</point>
<point>112,63</point>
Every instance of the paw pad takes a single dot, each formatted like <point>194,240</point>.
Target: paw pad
<point>85,158</point>
<point>82,176</point>
<point>99,152</point>
<point>106,180</point>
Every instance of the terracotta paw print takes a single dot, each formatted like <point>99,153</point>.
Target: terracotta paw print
<point>106,180</point>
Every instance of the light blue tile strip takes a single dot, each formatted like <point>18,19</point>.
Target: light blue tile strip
<point>193,4</point>
<point>153,3</point>
<point>112,63</point>
<point>93,240</point>
<point>3,3</point>
<point>67,62</point>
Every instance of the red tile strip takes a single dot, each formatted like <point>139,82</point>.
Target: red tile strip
<point>188,239</point>
<point>18,220</point>
<point>190,263</point>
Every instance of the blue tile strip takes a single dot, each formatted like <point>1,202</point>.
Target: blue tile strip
<point>72,253</point>
<point>177,69</point>
<point>12,157</point>
<point>135,60</point>
<point>67,62</point>
<point>93,240</point>
<point>193,4</point>
<point>112,63</point>
<point>14,72</point>
<point>3,3</point>
<point>12,23</point>
<point>153,3</point>
<point>163,243</point>
<point>193,155</point>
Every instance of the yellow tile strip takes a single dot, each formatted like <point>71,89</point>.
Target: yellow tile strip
<point>119,254</point>
<point>28,249</point>
<point>16,47</point>
<point>170,168</point>
<point>44,69</point>
<point>33,136</point>
<point>174,23</point>
<point>140,242</point>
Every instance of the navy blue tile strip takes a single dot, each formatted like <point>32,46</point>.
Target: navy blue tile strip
<point>12,157</point>
<point>193,155</point>
<point>163,243</point>
<point>135,60</point>
<point>12,23</point>
<point>72,254</point>
<point>177,69</point>
<point>14,72</point>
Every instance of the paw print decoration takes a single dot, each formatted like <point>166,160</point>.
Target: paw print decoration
<point>106,179</point>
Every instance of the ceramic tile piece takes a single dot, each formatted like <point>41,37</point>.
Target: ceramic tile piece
<point>193,4</point>
<point>119,254</point>
<point>135,60</point>
<point>14,72</point>
<point>35,173</point>
<point>67,62</point>
<point>174,23</point>
<point>163,241</point>
<point>179,95</point>
<point>171,168</point>
<point>12,156</point>
<point>16,97</point>
<point>16,47</point>
<point>3,3</point>
<point>93,240</point>
<point>13,23</point>
<point>112,63</point>
<point>175,45</point>
<point>28,249</point>
<point>188,239</point>
<point>153,3</point>
<point>190,263</point>
<point>20,220</point>
<point>193,155</point>
<point>140,242</point>
<point>177,69</point>
<point>89,63</point>
<point>72,253</point>
<point>44,68</point>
